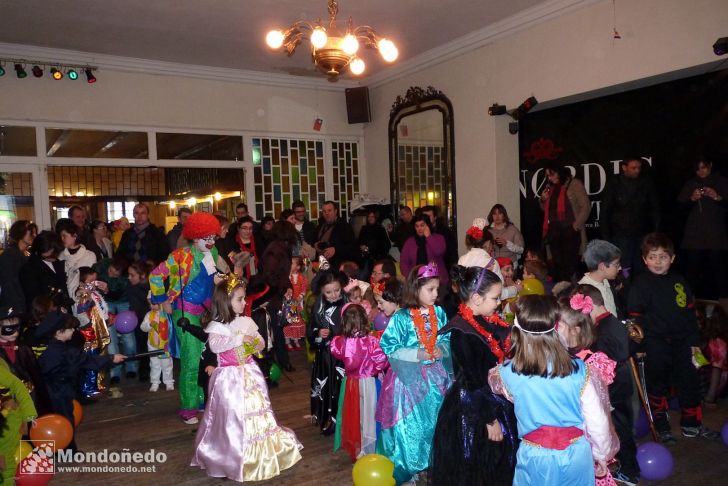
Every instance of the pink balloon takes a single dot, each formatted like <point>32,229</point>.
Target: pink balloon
<point>126,321</point>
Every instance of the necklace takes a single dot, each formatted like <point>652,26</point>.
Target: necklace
<point>467,314</point>
<point>427,340</point>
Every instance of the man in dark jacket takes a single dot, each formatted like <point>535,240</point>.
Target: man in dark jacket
<point>629,210</point>
<point>173,237</point>
<point>335,238</point>
<point>143,242</point>
<point>305,228</point>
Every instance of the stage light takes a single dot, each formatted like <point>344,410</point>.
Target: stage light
<point>721,46</point>
<point>2,70</point>
<point>513,127</point>
<point>90,78</point>
<point>20,71</point>
<point>497,109</point>
<point>56,73</point>
<point>526,106</point>
<point>72,74</point>
<point>37,71</point>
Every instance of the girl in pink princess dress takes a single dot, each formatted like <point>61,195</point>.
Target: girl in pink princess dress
<point>239,437</point>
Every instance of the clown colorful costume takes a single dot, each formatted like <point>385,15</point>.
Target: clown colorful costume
<point>14,414</point>
<point>156,323</point>
<point>190,276</point>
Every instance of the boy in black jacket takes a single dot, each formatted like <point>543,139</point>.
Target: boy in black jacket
<point>661,301</point>
<point>613,340</point>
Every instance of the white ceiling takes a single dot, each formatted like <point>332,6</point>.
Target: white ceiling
<point>230,33</point>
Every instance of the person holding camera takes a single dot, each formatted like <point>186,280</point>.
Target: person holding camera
<point>705,239</point>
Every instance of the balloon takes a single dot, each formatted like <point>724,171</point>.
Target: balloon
<point>380,321</point>
<point>641,425</point>
<point>532,286</point>
<point>77,413</point>
<point>373,470</point>
<point>23,450</point>
<point>126,321</point>
<point>52,427</point>
<point>275,373</point>
<point>29,472</point>
<point>655,461</point>
<point>724,433</point>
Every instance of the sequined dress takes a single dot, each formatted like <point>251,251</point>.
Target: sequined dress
<point>239,437</point>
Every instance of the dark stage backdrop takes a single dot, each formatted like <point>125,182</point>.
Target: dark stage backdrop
<point>668,124</point>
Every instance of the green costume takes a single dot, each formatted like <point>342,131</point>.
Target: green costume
<point>13,388</point>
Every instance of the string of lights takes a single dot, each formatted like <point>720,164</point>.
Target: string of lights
<point>56,70</point>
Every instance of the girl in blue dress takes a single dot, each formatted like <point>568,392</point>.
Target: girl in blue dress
<point>564,430</point>
<point>420,361</point>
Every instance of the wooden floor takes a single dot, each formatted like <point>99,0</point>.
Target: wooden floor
<point>142,420</point>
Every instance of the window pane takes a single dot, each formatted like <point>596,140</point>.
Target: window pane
<point>16,200</point>
<point>62,142</point>
<point>17,141</point>
<point>188,146</point>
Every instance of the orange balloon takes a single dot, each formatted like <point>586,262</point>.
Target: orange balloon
<point>52,427</point>
<point>77,413</point>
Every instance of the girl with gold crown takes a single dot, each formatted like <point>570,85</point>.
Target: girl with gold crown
<point>239,437</point>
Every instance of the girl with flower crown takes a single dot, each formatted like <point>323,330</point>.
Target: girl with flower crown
<point>475,438</point>
<point>239,437</point>
<point>420,360</point>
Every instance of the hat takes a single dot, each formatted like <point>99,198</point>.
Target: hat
<point>199,225</point>
<point>504,262</point>
<point>9,312</point>
<point>51,323</point>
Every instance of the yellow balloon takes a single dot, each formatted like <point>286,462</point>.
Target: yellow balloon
<point>24,449</point>
<point>373,470</point>
<point>532,286</point>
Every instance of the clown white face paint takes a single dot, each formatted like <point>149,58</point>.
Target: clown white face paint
<point>205,244</point>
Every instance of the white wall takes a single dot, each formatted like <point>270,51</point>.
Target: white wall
<point>568,55</point>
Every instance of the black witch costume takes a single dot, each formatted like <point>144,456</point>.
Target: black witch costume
<point>462,452</point>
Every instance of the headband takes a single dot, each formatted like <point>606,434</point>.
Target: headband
<point>483,271</point>
<point>582,303</point>
<point>428,271</point>
<point>516,324</point>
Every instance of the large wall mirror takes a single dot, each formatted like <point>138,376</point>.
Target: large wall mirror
<point>422,152</point>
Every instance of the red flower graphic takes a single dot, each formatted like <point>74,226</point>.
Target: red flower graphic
<point>542,149</point>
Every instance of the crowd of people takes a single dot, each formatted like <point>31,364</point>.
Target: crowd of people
<point>446,362</point>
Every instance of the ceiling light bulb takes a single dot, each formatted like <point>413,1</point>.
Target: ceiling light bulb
<point>388,50</point>
<point>56,73</point>
<point>274,39</point>
<point>20,70</point>
<point>350,45</point>
<point>217,196</point>
<point>191,201</point>
<point>357,66</point>
<point>319,37</point>
<point>172,204</point>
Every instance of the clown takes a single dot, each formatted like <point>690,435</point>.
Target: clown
<point>190,275</point>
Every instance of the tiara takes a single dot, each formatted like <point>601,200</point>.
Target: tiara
<point>428,271</point>
<point>231,281</point>
<point>516,324</point>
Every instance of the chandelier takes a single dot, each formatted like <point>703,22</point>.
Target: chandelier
<point>331,51</point>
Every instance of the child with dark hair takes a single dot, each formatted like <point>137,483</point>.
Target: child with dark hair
<point>363,360</point>
<point>661,301</point>
<point>611,338</point>
<point>562,424</point>
<point>602,261</point>
<point>420,360</point>
<point>475,438</point>
<point>325,324</point>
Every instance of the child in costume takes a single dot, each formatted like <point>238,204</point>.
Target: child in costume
<point>239,437</point>
<point>556,403</point>
<point>189,274</point>
<point>156,323</point>
<point>17,410</point>
<point>92,313</point>
<point>475,438</point>
<point>61,362</point>
<point>296,327</point>
<point>577,334</point>
<point>420,361</point>
<point>363,360</point>
<point>612,338</point>
<point>661,302</point>
<point>325,374</point>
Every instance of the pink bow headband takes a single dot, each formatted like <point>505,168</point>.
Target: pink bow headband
<point>582,303</point>
<point>428,271</point>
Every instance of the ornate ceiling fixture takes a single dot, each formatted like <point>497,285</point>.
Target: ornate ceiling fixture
<point>332,51</point>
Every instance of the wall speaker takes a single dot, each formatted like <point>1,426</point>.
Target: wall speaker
<point>357,105</point>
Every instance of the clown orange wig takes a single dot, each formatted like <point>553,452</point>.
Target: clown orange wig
<point>200,225</point>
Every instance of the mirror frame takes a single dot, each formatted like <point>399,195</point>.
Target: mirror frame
<point>418,100</point>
